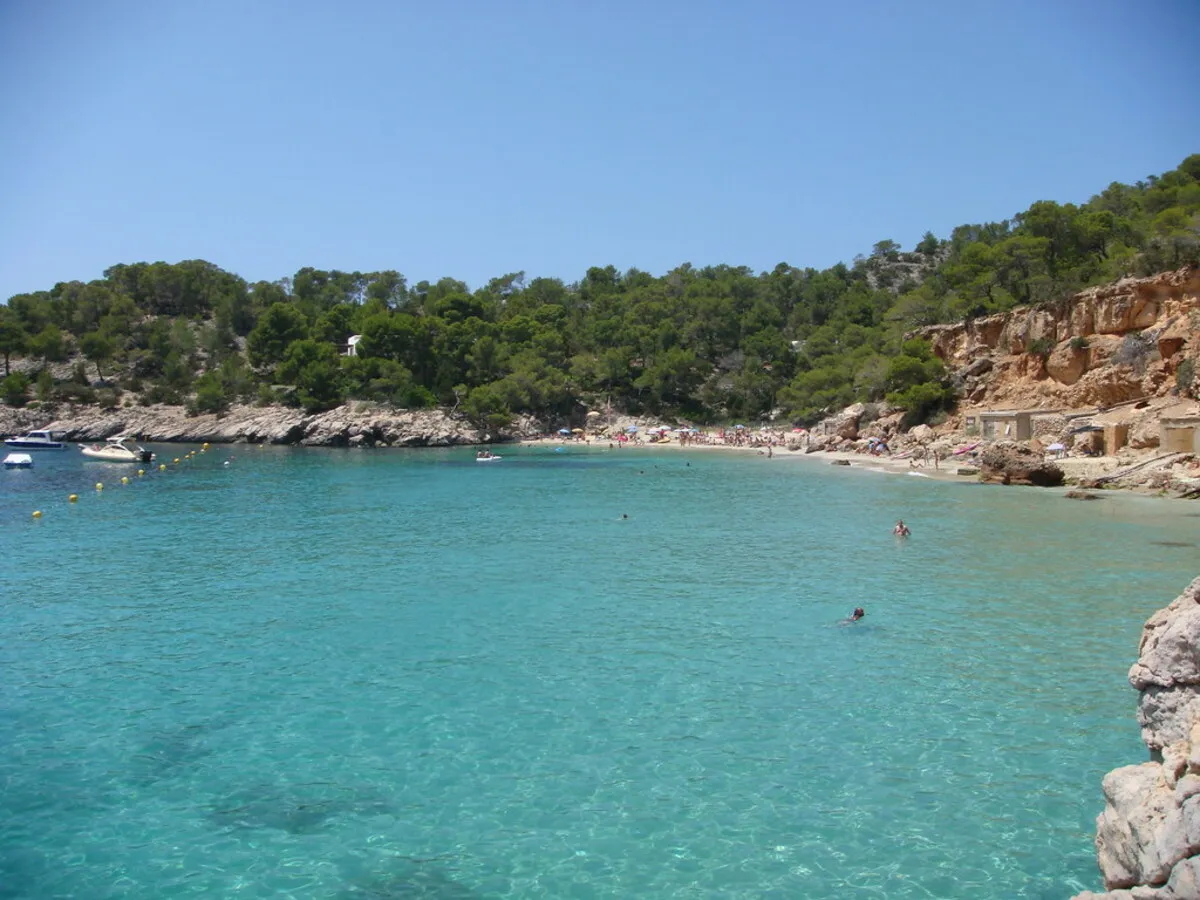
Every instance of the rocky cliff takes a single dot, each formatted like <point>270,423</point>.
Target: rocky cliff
<point>1148,836</point>
<point>352,425</point>
<point>1106,345</point>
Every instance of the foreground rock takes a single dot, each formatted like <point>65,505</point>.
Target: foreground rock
<point>1148,837</point>
<point>1010,463</point>
<point>352,425</point>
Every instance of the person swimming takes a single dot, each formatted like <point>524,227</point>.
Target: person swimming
<point>858,613</point>
<point>901,530</point>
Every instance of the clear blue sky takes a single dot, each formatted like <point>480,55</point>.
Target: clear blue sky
<point>474,138</point>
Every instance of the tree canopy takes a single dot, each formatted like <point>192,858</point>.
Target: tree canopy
<point>706,344</point>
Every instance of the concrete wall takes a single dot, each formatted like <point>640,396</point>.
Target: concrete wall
<point>1179,436</point>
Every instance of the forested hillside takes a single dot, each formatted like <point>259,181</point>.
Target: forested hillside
<point>707,344</point>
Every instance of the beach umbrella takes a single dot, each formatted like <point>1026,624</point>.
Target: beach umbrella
<point>739,426</point>
<point>564,431</point>
<point>631,429</point>
<point>1055,447</point>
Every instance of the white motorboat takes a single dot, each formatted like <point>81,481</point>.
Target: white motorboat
<point>18,461</point>
<point>117,449</point>
<point>487,456</point>
<point>35,440</point>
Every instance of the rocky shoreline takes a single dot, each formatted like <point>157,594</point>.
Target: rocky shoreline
<point>351,425</point>
<point>1148,836</point>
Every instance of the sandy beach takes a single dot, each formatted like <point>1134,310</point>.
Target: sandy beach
<point>962,468</point>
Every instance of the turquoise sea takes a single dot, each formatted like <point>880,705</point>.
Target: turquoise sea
<point>403,674</point>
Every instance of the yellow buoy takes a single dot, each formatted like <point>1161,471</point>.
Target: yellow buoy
<point>204,446</point>
<point>162,467</point>
<point>37,513</point>
<point>73,498</point>
<point>175,461</point>
<point>124,479</point>
<point>99,485</point>
<point>141,472</point>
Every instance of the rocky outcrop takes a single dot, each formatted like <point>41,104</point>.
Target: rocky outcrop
<point>1103,346</point>
<point>844,425</point>
<point>352,425</point>
<point>1148,836</point>
<point>1007,462</point>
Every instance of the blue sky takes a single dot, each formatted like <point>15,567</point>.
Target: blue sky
<point>471,139</point>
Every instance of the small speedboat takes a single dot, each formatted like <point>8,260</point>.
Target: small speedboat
<point>18,461</point>
<point>117,449</point>
<point>35,440</point>
<point>487,456</point>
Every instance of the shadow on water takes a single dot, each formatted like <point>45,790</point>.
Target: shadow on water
<point>175,751</point>
<point>1172,544</point>
<point>298,809</point>
<point>27,874</point>
<point>411,879</point>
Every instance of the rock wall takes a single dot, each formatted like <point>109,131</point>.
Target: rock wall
<point>352,425</point>
<point>1106,345</point>
<point>1148,836</point>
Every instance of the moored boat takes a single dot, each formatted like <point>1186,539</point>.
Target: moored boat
<point>18,461</point>
<point>117,449</point>
<point>35,440</point>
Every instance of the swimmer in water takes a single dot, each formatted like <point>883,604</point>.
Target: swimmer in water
<point>858,613</point>
<point>901,530</point>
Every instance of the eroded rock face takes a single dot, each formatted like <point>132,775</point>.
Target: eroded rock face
<point>1148,836</point>
<point>1164,309</point>
<point>1007,462</point>
<point>1067,364</point>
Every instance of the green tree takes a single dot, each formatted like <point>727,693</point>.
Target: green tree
<point>280,326</point>
<point>315,370</point>
<point>97,347</point>
<point>13,339</point>
<point>48,344</point>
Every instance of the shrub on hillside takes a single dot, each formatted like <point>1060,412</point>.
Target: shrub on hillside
<point>1042,347</point>
<point>14,389</point>
<point>1134,351</point>
<point>1185,377</point>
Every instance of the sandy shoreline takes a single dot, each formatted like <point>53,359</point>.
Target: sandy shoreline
<point>963,470</point>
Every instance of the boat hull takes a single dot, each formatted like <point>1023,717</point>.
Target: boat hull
<point>21,444</point>
<point>115,453</point>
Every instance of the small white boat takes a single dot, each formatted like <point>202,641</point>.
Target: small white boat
<point>18,461</point>
<point>487,456</point>
<point>35,440</point>
<point>117,449</point>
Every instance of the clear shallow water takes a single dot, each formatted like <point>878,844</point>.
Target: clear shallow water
<point>404,674</point>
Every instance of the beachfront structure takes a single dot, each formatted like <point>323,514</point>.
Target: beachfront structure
<point>1179,434</point>
<point>352,345</point>
<point>1009,424</point>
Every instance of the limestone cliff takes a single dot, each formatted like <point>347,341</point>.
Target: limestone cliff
<point>1148,836</point>
<point>1106,345</point>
